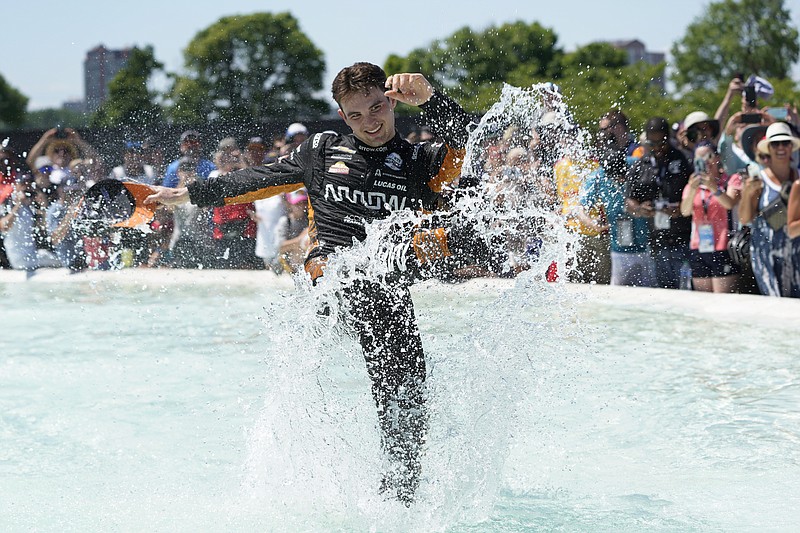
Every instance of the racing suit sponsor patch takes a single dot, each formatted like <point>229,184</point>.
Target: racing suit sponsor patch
<point>339,168</point>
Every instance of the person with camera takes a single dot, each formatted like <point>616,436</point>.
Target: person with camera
<point>732,151</point>
<point>655,186</point>
<point>764,202</point>
<point>697,127</point>
<point>706,200</point>
<point>631,262</point>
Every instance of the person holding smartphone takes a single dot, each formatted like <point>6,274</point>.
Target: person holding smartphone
<point>706,200</point>
<point>731,146</point>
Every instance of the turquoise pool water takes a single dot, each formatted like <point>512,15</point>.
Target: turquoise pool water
<point>211,401</point>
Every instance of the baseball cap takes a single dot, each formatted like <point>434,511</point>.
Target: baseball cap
<point>227,142</point>
<point>190,135</point>
<point>296,128</point>
<point>657,125</point>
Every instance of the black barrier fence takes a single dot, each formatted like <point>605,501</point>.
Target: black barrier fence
<point>109,142</point>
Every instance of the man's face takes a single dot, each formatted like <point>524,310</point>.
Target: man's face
<point>370,116</point>
<point>613,134</point>
<point>658,142</point>
<point>606,131</point>
<point>190,146</point>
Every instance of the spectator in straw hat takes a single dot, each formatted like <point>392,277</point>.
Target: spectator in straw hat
<point>764,205</point>
<point>698,127</point>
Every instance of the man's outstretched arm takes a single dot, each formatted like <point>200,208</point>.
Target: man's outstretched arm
<point>242,186</point>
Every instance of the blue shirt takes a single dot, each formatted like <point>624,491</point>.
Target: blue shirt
<point>204,168</point>
<point>610,193</point>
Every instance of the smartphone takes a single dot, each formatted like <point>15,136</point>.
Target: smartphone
<point>700,165</point>
<point>750,95</point>
<point>751,118</point>
<point>779,113</point>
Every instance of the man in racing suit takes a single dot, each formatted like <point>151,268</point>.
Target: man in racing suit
<point>351,180</point>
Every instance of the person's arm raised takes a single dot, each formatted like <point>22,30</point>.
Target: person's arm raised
<point>411,89</point>
<point>444,116</point>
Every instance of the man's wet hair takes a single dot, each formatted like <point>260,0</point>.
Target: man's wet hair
<point>359,78</point>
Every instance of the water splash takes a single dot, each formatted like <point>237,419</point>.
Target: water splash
<point>315,459</point>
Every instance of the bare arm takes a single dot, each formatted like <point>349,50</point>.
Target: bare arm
<point>65,225</point>
<point>38,148</point>
<point>591,223</point>
<point>735,87</point>
<point>748,207</point>
<point>639,209</point>
<point>793,212</point>
<point>687,202</point>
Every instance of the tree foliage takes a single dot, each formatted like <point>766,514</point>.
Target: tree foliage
<point>595,78</point>
<point>13,104</point>
<point>747,36</point>
<point>253,67</point>
<point>473,65</point>
<point>43,119</point>
<point>130,101</point>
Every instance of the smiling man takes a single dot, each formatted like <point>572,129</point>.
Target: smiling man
<point>352,180</point>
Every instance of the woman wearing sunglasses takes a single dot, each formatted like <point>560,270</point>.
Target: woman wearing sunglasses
<point>764,205</point>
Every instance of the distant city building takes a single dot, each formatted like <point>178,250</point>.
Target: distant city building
<point>637,52</point>
<point>99,68</point>
<point>77,106</point>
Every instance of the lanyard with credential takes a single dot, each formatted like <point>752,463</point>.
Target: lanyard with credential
<point>705,200</point>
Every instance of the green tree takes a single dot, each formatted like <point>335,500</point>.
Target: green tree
<point>748,36</point>
<point>250,68</point>
<point>44,119</point>
<point>130,101</point>
<point>473,65</point>
<point>13,104</point>
<point>590,93</point>
<point>596,78</point>
<point>594,55</point>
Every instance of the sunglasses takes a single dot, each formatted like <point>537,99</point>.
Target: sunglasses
<point>764,157</point>
<point>780,143</point>
<point>661,142</point>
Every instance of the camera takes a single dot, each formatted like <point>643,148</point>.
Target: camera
<point>61,133</point>
<point>751,118</point>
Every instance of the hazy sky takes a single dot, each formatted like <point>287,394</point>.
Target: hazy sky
<point>46,41</point>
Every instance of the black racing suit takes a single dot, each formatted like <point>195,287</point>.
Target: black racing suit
<point>350,183</point>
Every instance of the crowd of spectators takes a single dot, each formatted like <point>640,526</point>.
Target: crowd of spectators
<point>40,195</point>
<point>706,202</point>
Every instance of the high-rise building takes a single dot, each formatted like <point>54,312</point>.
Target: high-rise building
<point>637,51</point>
<point>99,68</point>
